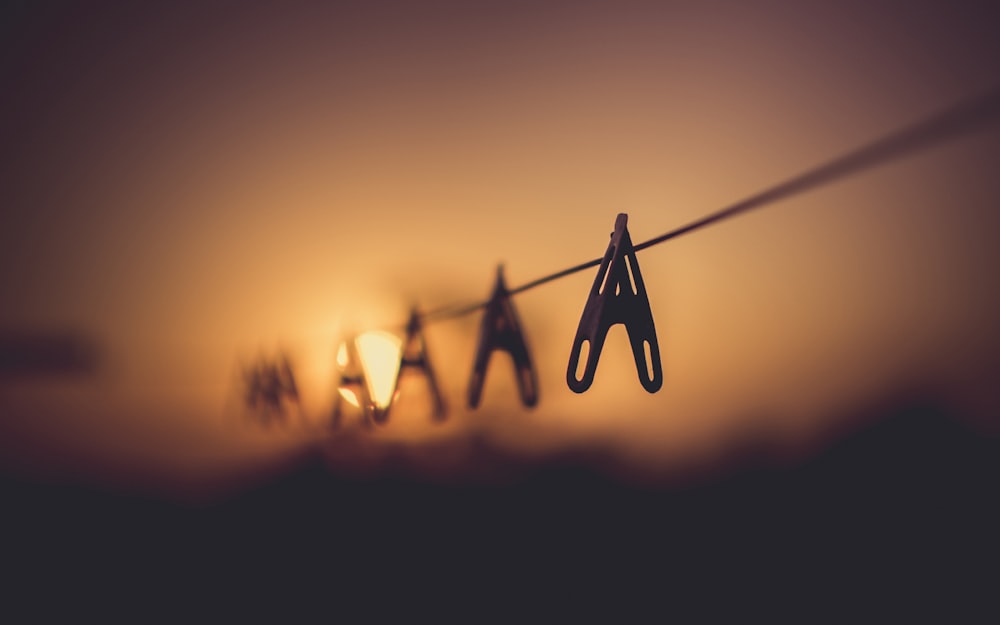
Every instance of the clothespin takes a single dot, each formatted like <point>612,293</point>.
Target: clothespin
<point>269,385</point>
<point>414,356</point>
<point>618,296</point>
<point>352,380</point>
<point>500,329</point>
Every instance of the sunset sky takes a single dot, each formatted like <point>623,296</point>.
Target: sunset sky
<point>195,184</point>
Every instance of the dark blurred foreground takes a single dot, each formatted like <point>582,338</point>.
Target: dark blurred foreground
<point>894,520</point>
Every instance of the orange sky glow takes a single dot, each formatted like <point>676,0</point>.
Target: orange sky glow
<point>198,184</point>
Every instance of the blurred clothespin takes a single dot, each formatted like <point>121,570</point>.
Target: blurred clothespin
<point>353,382</point>
<point>29,353</point>
<point>617,296</point>
<point>414,356</point>
<point>269,384</point>
<point>500,329</point>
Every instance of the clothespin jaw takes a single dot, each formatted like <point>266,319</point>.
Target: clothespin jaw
<point>414,355</point>
<point>617,296</point>
<point>500,329</point>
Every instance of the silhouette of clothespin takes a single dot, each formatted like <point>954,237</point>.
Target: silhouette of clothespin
<point>352,380</point>
<point>269,385</point>
<point>618,296</point>
<point>42,354</point>
<point>414,356</point>
<point>500,329</point>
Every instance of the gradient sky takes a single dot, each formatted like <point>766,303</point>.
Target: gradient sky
<point>197,183</point>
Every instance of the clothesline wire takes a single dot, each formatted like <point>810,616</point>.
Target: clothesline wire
<point>963,118</point>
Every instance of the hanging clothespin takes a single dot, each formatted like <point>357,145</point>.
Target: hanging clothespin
<point>500,329</point>
<point>414,356</point>
<point>269,384</point>
<point>352,380</point>
<point>617,296</point>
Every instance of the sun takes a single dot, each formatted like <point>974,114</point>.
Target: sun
<point>378,353</point>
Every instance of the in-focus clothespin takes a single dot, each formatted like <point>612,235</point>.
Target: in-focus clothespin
<point>500,329</point>
<point>414,356</point>
<point>617,296</point>
<point>353,381</point>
